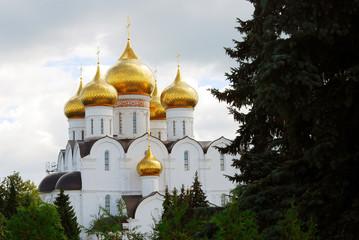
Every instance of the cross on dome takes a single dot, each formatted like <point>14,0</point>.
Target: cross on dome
<point>128,27</point>
<point>98,55</point>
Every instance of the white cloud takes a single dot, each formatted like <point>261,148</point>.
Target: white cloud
<point>43,44</point>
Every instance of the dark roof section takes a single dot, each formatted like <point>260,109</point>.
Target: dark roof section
<point>49,182</point>
<point>70,181</point>
<point>63,151</point>
<point>132,202</point>
<point>85,146</point>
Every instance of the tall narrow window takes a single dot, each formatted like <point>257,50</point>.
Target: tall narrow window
<point>184,128</point>
<point>91,126</point>
<point>223,200</point>
<point>110,127</point>
<point>107,161</point>
<point>120,122</point>
<point>221,161</point>
<point>159,135</point>
<point>73,135</point>
<point>134,123</point>
<point>101,125</point>
<point>82,134</point>
<point>174,128</point>
<point>107,203</point>
<point>186,161</point>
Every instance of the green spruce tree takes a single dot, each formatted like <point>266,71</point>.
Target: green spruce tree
<point>298,78</point>
<point>197,196</point>
<point>11,200</point>
<point>67,216</point>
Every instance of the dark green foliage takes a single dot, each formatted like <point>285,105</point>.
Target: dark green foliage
<point>11,200</point>
<point>236,224</point>
<point>107,226</point>
<point>180,218</point>
<point>67,216</point>
<point>3,229</point>
<point>298,77</point>
<point>37,221</point>
<point>291,226</point>
<point>197,196</point>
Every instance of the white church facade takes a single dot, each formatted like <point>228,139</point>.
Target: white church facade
<point>110,155</point>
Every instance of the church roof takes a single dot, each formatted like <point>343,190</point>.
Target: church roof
<point>133,201</point>
<point>70,181</point>
<point>49,182</point>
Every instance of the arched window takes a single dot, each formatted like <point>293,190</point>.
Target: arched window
<point>174,128</point>
<point>107,203</point>
<point>184,128</point>
<point>73,135</point>
<point>91,126</point>
<point>221,160</point>
<point>223,200</point>
<point>186,168</point>
<point>82,134</point>
<point>101,125</point>
<point>120,122</point>
<point>107,161</point>
<point>159,135</point>
<point>134,123</point>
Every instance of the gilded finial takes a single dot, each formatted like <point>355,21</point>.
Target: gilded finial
<point>155,74</point>
<point>149,135</point>
<point>178,55</point>
<point>128,28</point>
<point>81,70</point>
<point>98,55</point>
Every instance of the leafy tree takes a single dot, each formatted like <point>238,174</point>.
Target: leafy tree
<point>298,78</point>
<point>11,200</point>
<point>236,224</point>
<point>110,227</point>
<point>3,229</point>
<point>67,216</point>
<point>37,221</point>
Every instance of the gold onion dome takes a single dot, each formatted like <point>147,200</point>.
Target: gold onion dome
<point>98,92</point>
<point>74,107</point>
<point>179,94</point>
<point>129,75</point>
<point>157,112</point>
<point>149,165</point>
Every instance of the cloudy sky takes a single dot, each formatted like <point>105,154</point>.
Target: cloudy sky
<point>43,43</point>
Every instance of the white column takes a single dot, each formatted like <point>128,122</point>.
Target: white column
<point>132,116</point>
<point>149,184</point>
<point>76,129</point>
<point>99,121</point>
<point>179,123</point>
<point>159,129</point>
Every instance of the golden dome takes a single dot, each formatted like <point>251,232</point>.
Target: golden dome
<point>74,107</point>
<point>179,94</point>
<point>98,92</point>
<point>129,75</point>
<point>157,112</point>
<point>149,165</point>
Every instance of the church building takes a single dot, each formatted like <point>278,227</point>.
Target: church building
<point>127,141</point>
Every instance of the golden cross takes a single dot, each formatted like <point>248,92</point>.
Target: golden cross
<point>128,27</point>
<point>178,55</point>
<point>98,55</point>
<point>155,74</point>
<point>149,135</point>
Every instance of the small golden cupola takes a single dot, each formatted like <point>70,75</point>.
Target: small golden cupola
<point>179,94</point>
<point>157,112</point>
<point>98,92</point>
<point>129,75</point>
<point>74,107</point>
<point>149,165</point>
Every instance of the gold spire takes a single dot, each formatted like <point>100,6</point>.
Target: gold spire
<point>98,92</point>
<point>179,94</point>
<point>74,107</point>
<point>149,165</point>
<point>157,112</point>
<point>129,75</point>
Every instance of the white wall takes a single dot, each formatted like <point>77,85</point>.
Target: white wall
<point>176,116</point>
